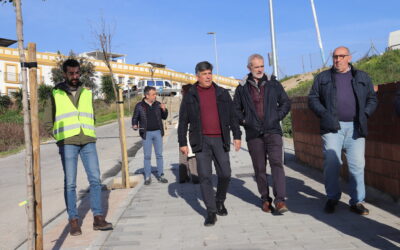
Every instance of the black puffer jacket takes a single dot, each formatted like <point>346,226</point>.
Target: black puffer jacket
<point>276,107</point>
<point>139,117</point>
<point>322,100</point>
<point>189,114</point>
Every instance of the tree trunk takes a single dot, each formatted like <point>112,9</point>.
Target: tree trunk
<point>27,131</point>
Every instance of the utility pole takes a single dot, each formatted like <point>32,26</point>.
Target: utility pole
<point>321,48</point>
<point>215,50</point>
<point>273,42</point>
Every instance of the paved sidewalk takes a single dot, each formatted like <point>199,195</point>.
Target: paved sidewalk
<point>171,216</point>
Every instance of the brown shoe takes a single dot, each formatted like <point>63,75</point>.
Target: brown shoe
<point>281,207</point>
<point>267,207</point>
<point>74,228</point>
<point>100,223</point>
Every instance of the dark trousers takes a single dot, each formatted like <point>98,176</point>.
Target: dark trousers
<point>268,146</point>
<point>213,150</point>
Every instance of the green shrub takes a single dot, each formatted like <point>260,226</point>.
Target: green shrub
<point>17,95</point>
<point>107,88</point>
<point>5,103</point>
<point>44,93</point>
<point>287,126</point>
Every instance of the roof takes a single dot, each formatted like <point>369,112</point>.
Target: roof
<point>6,42</point>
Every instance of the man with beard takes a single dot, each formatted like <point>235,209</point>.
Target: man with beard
<point>69,117</point>
<point>261,103</point>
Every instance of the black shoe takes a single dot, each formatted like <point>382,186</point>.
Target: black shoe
<point>359,209</point>
<point>221,209</point>
<point>148,181</point>
<point>330,206</point>
<point>162,179</point>
<point>211,219</point>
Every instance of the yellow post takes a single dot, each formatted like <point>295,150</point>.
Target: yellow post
<point>124,165</point>
<point>33,87</point>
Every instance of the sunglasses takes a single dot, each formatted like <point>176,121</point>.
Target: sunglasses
<point>339,56</point>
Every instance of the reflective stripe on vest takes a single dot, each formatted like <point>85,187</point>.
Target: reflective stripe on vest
<point>69,120</point>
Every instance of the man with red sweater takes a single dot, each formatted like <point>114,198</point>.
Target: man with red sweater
<point>208,111</point>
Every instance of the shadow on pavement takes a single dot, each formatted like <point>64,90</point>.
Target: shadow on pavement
<point>188,191</point>
<point>317,175</point>
<point>192,195</point>
<point>306,200</point>
<point>83,210</point>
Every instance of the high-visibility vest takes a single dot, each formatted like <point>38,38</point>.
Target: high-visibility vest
<point>69,120</point>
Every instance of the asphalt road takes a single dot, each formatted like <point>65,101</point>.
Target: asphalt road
<point>13,217</point>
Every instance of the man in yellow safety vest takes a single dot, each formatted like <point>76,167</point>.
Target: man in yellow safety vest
<point>69,117</point>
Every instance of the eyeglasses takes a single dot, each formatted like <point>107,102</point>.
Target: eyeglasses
<point>339,56</point>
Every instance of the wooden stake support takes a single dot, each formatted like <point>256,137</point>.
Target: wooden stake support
<point>33,87</point>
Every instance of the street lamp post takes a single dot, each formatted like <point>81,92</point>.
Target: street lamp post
<point>321,48</point>
<point>215,50</point>
<point>273,41</point>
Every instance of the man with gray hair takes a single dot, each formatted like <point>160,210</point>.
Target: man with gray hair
<point>343,98</point>
<point>261,103</point>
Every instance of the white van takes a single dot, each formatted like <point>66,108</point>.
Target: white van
<point>163,87</point>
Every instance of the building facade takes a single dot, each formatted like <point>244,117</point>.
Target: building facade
<point>128,75</point>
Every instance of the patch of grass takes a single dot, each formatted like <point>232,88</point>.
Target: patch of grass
<point>12,116</point>
<point>302,89</point>
<point>106,118</point>
<point>11,151</point>
<point>382,69</point>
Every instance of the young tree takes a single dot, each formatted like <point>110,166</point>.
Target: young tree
<point>88,76</point>
<point>27,131</point>
<point>103,38</point>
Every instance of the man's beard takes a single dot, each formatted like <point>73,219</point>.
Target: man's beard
<point>73,84</point>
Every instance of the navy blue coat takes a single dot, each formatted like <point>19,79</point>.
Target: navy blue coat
<point>139,117</point>
<point>322,100</point>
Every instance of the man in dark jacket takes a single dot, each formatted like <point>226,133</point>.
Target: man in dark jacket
<point>261,103</point>
<point>147,117</point>
<point>343,98</point>
<point>69,117</point>
<point>207,109</point>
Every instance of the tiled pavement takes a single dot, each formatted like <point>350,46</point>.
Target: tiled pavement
<point>171,216</point>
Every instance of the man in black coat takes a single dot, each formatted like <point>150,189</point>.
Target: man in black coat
<point>261,103</point>
<point>343,98</point>
<point>207,110</point>
<point>147,117</point>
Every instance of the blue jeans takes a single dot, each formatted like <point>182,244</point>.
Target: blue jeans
<point>69,158</point>
<point>153,138</point>
<point>348,139</point>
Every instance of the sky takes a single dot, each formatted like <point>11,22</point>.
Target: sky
<point>174,32</point>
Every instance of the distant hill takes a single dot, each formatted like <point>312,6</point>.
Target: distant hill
<point>383,68</point>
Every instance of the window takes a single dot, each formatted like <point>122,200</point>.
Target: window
<point>10,90</point>
<point>167,84</point>
<point>11,73</point>
<point>120,79</point>
<point>159,83</point>
<point>150,83</point>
